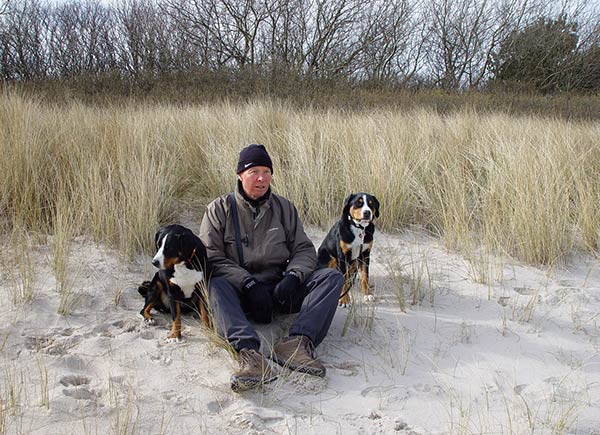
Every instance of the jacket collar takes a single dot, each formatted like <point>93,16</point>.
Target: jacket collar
<point>254,204</point>
<point>256,207</point>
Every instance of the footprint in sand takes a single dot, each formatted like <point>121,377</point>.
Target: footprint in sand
<point>256,418</point>
<point>377,391</point>
<point>114,328</point>
<point>54,343</point>
<point>216,406</point>
<point>127,325</point>
<point>519,388</point>
<point>77,387</point>
<point>525,291</point>
<point>147,334</point>
<point>75,380</point>
<point>347,368</point>
<point>174,398</point>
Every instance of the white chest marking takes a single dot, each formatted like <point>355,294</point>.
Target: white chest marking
<point>357,243</point>
<point>186,279</point>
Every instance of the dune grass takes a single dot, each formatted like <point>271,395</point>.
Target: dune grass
<point>522,186</point>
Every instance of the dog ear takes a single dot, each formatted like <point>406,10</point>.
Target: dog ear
<point>347,203</point>
<point>157,237</point>
<point>186,247</point>
<point>179,242</point>
<point>376,201</point>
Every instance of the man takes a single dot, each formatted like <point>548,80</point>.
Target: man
<point>268,267</point>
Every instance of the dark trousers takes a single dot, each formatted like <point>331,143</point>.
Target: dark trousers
<point>315,302</point>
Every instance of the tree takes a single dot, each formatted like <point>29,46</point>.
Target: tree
<point>540,56</point>
<point>23,42</point>
<point>81,41</point>
<point>4,7</point>
<point>586,74</point>
<point>394,45</point>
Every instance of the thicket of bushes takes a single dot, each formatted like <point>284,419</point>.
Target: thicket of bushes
<point>529,45</point>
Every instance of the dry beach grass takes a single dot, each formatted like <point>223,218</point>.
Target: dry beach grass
<point>485,270</point>
<point>525,186</point>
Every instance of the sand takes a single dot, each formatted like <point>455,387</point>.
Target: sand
<point>516,354</point>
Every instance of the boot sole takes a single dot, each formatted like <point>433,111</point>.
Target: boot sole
<point>299,368</point>
<point>243,384</point>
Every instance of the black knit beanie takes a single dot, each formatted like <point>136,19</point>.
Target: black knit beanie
<point>254,155</point>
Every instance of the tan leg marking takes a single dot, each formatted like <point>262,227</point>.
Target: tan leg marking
<point>345,299</point>
<point>176,325</point>
<point>204,317</point>
<point>364,279</point>
<point>146,313</point>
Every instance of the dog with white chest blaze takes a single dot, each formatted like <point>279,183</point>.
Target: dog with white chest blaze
<point>347,245</point>
<point>177,286</point>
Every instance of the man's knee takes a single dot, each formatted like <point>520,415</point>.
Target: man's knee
<point>337,277</point>
<point>328,282</point>
<point>333,277</point>
<point>219,288</point>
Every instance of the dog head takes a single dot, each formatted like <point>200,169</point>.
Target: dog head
<point>174,244</point>
<point>361,207</point>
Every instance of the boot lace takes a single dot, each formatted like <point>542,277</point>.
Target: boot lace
<point>248,358</point>
<point>308,346</point>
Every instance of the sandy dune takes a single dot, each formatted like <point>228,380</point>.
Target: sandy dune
<point>517,355</point>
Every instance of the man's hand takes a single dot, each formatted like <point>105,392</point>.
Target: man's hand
<point>286,288</point>
<point>260,300</point>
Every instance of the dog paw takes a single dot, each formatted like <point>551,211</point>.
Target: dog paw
<point>345,301</point>
<point>368,298</point>
<point>147,321</point>
<point>170,339</point>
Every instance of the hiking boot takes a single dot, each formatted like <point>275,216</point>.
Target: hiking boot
<point>298,353</point>
<point>254,371</point>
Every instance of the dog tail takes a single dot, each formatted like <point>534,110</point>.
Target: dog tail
<point>145,288</point>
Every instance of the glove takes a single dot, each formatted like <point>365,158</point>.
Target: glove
<point>258,300</point>
<point>286,288</point>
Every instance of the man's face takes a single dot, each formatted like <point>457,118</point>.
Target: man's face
<point>256,181</point>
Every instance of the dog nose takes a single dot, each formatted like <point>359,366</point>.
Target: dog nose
<point>367,214</point>
<point>155,263</point>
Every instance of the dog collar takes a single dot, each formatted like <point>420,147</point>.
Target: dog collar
<point>356,224</point>
<point>361,234</point>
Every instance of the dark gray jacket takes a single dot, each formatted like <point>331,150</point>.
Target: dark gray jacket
<point>274,240</point>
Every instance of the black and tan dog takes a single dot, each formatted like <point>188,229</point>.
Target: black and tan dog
<point>347,246</point>
<point>178,285</point>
